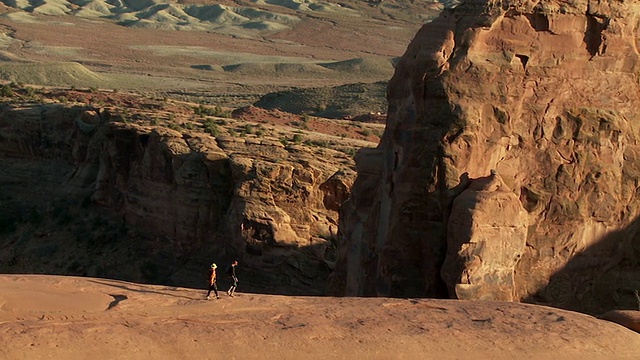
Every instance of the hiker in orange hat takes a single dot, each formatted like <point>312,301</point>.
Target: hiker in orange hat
<point>212,282</point>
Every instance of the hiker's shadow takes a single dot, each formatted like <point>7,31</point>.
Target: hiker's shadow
<point>140,290</point>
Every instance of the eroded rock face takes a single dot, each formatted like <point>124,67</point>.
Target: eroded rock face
<point>544,92</point>
<point>487,233</point>
<point>176,201</point>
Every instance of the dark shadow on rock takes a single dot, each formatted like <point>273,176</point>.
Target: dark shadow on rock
<point>117,298</point>
<point>601,278</point>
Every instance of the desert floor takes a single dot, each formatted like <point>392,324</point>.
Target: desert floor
<point>43,317</point>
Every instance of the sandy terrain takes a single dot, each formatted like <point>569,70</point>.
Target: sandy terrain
<point>43,317</point>
<point>205,48</point>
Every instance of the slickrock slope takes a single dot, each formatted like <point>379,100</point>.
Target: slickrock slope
<point>546,94</point>
<point>87,191</point>
<point>45,317</point>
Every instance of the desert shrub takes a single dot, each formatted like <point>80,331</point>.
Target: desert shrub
<point>6,90</point>
<point>248,129</point>
<point>93,89</point>
<point>260,132</point>
<point>189,126</point>
<point>366,132</point>
<point>350,151</point>
<point>124,118</point>
<point>174,126</point>
<point>211,111</point>
<point>31,92</point>
<point>318,143</point>
<point>297,138</point>
<point>211,127</point>
<point>219,112</point>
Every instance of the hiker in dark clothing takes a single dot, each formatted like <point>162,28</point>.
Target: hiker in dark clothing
<point>212,282</point>
<point>231,272</point>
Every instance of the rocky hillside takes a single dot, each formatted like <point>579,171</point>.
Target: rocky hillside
<point>152,190</point>
<point>509,166</point>
<point>350,100</point>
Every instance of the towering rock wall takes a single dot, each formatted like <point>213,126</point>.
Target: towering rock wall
<point>546,94</point>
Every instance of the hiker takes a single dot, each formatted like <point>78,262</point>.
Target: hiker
<point>231,272</point>
<point>212,282</point>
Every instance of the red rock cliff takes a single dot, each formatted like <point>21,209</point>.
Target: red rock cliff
<point>84,193</point>
<point>546,94</point>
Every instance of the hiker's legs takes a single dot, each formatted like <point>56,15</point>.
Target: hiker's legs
<point>215,289</point>
<point>234,285</point>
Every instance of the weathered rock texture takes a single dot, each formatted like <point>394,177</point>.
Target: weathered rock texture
<point>544,92</point>
<point>149,203</point>
<point>487,234</point>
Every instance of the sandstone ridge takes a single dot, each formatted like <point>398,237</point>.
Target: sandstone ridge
<point>67,317</point>
<point>154,190</point>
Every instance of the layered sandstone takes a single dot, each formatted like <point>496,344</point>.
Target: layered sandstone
<point>91,193</point>
<point>544,92</point>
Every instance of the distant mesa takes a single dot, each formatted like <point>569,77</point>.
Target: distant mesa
<point>350,100</point>
<point>168,15</point>
<point>362,66</point>
<point>320,6</point>
<point>371,67</point>
<point>275,69</point>
<point>54,73</point>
